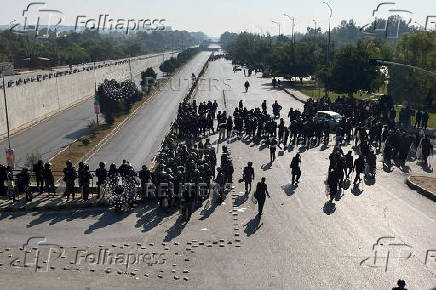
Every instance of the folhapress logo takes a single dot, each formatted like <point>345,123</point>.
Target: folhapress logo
<point>40,21</point>
<point>36,16</point>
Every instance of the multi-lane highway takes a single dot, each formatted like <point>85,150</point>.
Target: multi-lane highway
<point>140,138</point>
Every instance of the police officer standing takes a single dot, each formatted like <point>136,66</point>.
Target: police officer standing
<point>84,177</point>
<point>37,169</point>
<point>145,177</point>
<point>23,181</point>
<point>248,176</point>
<point>70,176</point>
<point>272,148</point>
<point>101,174</point>
<point>48,178</point>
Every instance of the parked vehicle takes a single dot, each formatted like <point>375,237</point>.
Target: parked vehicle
<point>331,117</point>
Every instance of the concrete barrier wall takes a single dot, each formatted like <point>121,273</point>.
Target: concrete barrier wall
<point>32,102</point>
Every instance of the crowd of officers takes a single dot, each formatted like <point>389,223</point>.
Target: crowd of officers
<point>15,185</point>
<point>185,159</point>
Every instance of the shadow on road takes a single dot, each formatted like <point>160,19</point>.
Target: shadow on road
<point>252,226</point>
<point>65,215</point>
<point>206,213</point>
<point>175,230</point>
<point>329,207</point>
<point>267,166</point>
<point>77,134</point>
<point>289,189</point>
<point>356,191</point>
<point>240,200</point>
<point>108,218</point>
<point>151,218</point>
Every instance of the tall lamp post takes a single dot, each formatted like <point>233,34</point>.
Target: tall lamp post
<point>292,27</point>
<point>2,68</point>
<point>314,21</point>
<point>328,46</point>
<point>278,23</point>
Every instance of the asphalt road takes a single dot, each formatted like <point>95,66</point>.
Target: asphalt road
<point>140,138</point>
<point>301,241</point>
<point>55,133</point>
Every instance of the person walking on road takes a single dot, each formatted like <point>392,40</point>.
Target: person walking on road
<point>246,85</point>
<point>296,170</point>
<point>359,167</point>
<point>272,143</point>
<point>248,176</point>
<point>260,194</point>
<point>348,164</point>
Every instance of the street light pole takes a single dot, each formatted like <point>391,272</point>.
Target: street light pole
<point>328,47</point>
<point>6,106</point>
<point>278,23</point>
<point>292,27</point>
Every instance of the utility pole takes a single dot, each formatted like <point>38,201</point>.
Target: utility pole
<point>278,23</point>
<point>328,46</point>
<point>130,67</point>
<point>6,105</point>
<point>292,27</point>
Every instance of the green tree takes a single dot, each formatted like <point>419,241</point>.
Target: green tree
<point>351,72</point>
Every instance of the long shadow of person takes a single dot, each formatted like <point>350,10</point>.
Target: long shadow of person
<point>252,226</point>
<point>262,146</point>
<point>267,166</point>
<point>240,200</point>
<point>207,212</point>
<point>108,218</point>
<point>329,207</point>
<point>175,230</point>
<point>289,189</point>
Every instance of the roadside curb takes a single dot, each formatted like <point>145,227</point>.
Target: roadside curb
<point>292,95</point>
<point>420,189</point>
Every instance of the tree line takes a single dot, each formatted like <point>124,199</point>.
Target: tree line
<point>25,51</point>
<point>343,66</point>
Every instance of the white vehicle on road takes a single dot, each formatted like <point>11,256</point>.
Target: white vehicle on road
<point>331,117</point>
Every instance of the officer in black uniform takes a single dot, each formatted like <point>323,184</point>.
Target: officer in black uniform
<point>70,175</point>
<point>248,176</point>
<point>37,169</point>
<point>260,194</point>
<point>101,174</point>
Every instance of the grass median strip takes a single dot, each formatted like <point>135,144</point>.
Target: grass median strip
<point>94,136</point>
<point>79,148</point>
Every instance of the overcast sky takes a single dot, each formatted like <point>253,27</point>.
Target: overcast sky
<point>215,17</point>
